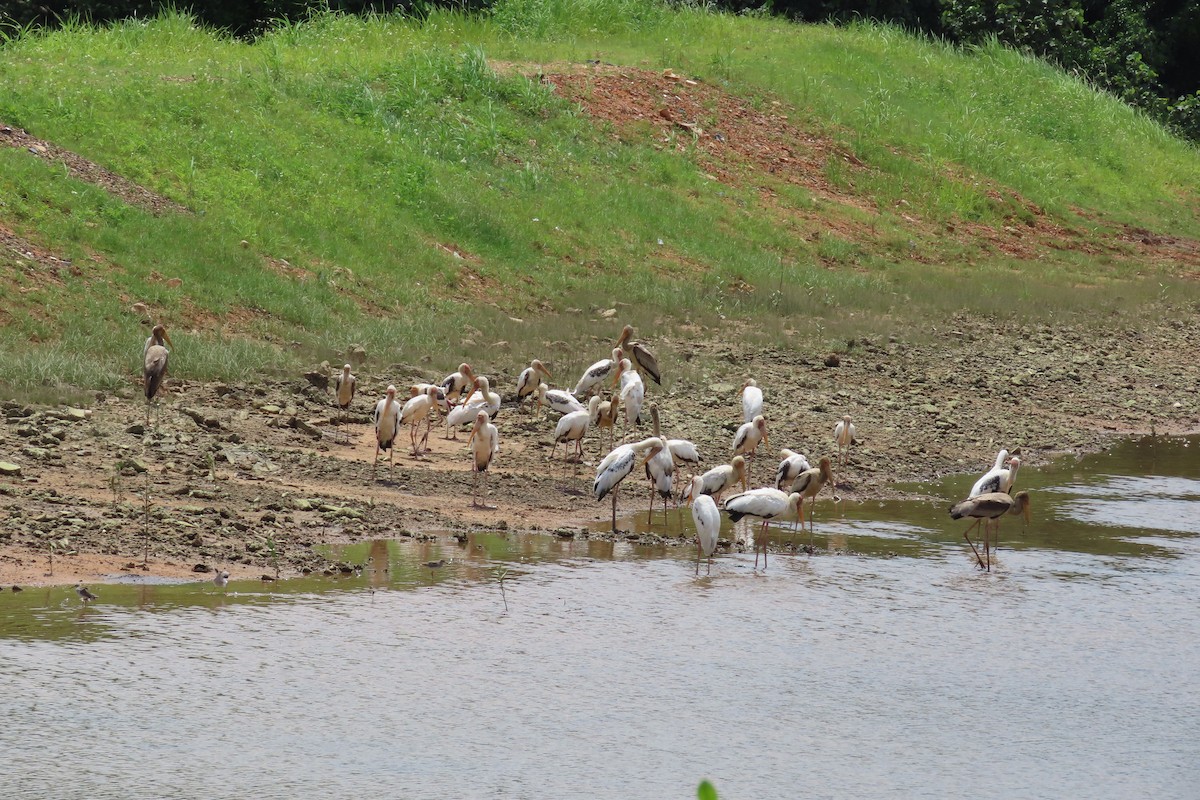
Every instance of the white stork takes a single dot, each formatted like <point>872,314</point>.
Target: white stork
<point>999,478</point>
<point>484,443</point>
<point>843,434</point>
<point>154,366</point>
<point>633,393</point>
<point>721,477</point>
<point>683,452</point>
<point>344,388</point>
<point>420,408</point>
<point>482,399</point>
<point>387,424</point>
<point>752,400</point>
<point>790,467</point>
<point>616,467</point>
<point>644,359</point>
<point>708,523</point>
<point>558,400</point>
<point>573,427</point>
<point>987,508</point>
<point>528,382</point>
<point>660,470</point>
<point>766,504</point>
<point>749,435</point>
<point>597,373</point>
<point>456,383</point>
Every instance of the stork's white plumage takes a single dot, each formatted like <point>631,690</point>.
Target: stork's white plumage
<point>792,465</point>
<point>616,467</point>
<point>766,504</point>
<point>528,382</point>
<point>752,400</point>
<point>482,399</point>
<point>1000,478</point>
<point>387,424</point>
<point>633,393</point>
<point>721,477</point>
<point>558,400</point>
<point>707,520</point>
<point>456,383</point>
<point>749,435</point>
<point>660,469</point>
<point>597,373</point>
<point>844,433</point>
<point>418,409</point>
<point>344,388</point>
<point>573,427</point>
<point>683,452</point>
<point>484,444</point>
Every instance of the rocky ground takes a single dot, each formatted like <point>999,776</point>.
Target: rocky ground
<point>250,477</point>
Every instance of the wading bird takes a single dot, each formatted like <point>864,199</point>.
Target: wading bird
<point>809,484</point>
<point>748,437</point>
<point>221,579</point>
<point>154,368</point>
<point>597,373</point>
<point>660,470</point>
<point>633,393</point>
<point>708,523</point>
<point>766,504</point>
<point>557,400</point>
<point>999,478</point>
<point>529,382</point>
<point>616,467</point>
<point>752,400</point>
<point>387,424</point>
<point>683,452</point>
<point>84,593</point>
<point>482,399</point>
<point>484,443</point>
<point>790,467</point>
<point>986,509</point>
<point>721,477</point>
<point>343,391</point>
<point>456,383</point>
<point>843,434</point>
<point>644,359</point>
<point>420,408</point>
<point>572,428</point>
<point>605,416</point>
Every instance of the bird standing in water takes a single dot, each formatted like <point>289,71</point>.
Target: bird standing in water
<point>84,593</point>
<point>986,509</point>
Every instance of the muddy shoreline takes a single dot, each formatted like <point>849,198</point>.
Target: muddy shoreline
<point>249,477</point>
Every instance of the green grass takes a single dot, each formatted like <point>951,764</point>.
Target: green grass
<point>363,151</point>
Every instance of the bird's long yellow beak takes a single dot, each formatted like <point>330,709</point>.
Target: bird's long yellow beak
<point>544,371</point>
<point>167,336</point>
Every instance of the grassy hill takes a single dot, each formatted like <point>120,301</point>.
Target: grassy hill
<point>429,187</point>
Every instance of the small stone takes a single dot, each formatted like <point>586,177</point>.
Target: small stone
<point>832,360</point>
<point>202,568</point>
<point>608,313</point>
<point>10,469</point>
<point>137,429</point>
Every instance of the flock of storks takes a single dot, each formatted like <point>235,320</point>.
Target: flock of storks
<point>464,397</point>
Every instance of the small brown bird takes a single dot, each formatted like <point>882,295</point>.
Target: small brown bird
<point>84,593</point>
<point>987,509</point>
<point>154,368</point>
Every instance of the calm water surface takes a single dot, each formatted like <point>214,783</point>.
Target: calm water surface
<point>895,669</point>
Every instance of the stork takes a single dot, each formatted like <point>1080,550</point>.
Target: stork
<point>809,484</point>
<point>644,359</point>
<point>682,451</point>
<point>790,467</point>
<point>616,467</point>
<point>484,443</point>
<point>766,504</point>
<point>154,369</point>
<point>344,388</point>
<point>456,383</point>
<point>387,424</point>
<point>597,373</point>
<point>752,400</point>
<point>988,508</point>
<point>843,434</point>
<point>720,478</point>
<point>573,427</point>
<point>708,523</point>
<point>558,400</point>
<point>528,383</point>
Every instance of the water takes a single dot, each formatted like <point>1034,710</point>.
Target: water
<point>897,669</point>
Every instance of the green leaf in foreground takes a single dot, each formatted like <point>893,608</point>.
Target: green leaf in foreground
<point>706,791</point>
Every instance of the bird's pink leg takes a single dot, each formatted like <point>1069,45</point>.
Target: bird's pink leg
<point>968,538</point>
<point>614,514</point>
